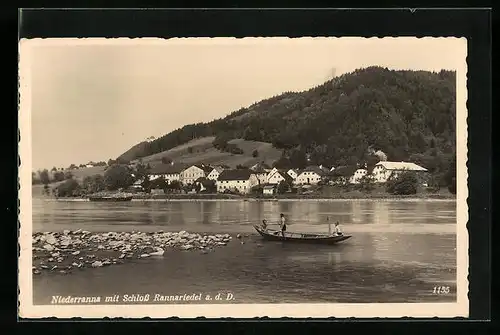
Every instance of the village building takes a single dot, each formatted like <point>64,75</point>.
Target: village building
<point>358,175</point>
<point>137,185</point>
<point>311,175</point>
<point>260,172</point>
<point>192,173</point>
<point>277,176</point>
<point>342,175</point>
<point>238,180</point>
<point>294,173</point>
<point>169,172</point>
<point>269,190</point>
<point>384,170</point>
<point>214,174</point>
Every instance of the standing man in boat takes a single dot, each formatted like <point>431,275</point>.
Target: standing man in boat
<point>282,224</point>
<point>338,231</point>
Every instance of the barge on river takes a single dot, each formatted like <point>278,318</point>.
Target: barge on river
<point>275,235</point>
<point>111,198</point>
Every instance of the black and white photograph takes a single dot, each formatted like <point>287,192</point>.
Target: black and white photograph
<point>250,177</point>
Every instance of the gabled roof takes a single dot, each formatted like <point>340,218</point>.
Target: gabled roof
<point>218,169</point>
<point>205,168</point>
<point>235,174</point>
<point>401,166</point>
<point>344,171</point>
<point>285,175</point>
<point>260,168</point>
<point>167,168</point>
<point>315,169</point>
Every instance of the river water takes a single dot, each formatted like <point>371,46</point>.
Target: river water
<point>400,251</point>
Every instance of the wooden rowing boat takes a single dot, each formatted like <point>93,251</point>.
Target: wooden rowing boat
<point>275,235</point>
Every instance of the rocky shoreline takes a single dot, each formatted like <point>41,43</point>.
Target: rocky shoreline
<point>77,250</point>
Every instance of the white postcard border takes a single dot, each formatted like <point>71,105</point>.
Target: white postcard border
<point>337,310</point>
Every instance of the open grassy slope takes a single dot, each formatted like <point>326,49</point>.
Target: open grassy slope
<point>202,151</point>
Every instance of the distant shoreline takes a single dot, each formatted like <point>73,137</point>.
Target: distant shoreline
<point>340,197</point>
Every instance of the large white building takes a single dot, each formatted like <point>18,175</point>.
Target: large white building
<point>384,170</point>
<point>311,175</point>
<point>169,172</point>
<point>238,180</point>
<point>192,173</point>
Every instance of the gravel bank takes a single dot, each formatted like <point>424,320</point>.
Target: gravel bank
<point>77,250</point>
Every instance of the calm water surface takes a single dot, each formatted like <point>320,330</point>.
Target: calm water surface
<point>400,250</point>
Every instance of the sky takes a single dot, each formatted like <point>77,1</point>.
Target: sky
<point>93,99</point>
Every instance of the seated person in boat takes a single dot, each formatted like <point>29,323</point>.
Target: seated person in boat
<point>264,225</point>
<point>283,224</point>
<point>338,231</point>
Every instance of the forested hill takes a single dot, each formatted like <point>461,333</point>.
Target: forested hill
<point>409,115</point>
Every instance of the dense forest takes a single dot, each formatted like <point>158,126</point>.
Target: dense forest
<point>409,115</point>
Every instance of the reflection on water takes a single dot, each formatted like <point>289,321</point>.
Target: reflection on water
<point>399,250</point>
<point>408,217</point>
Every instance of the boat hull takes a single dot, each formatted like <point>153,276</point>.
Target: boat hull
<point>108,199</point>
<point>274,235</point>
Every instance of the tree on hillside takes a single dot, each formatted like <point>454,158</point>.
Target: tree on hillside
<point>68,175</point>
<point>220,142</point>
<point>53,169</point>
<point>166,160</point>
<point>140,171</point>
<point>174,185</point>
<point>404,184</point>
<point>190,150</point>
<point>93,184</point>
<point>366,184</point>
<point>146,183</point>
<point>117,176</point>
<point>210,186</point>
<point>255,153</point>
<point>451,176</point>
<point>282,163</point>
<point>34,179</point>
<point>44,177</point>
<point>283,187</point>
<point>298,159</point>
<point>58,176</point>
<point>69,188</point>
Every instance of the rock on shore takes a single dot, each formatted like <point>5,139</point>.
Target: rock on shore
<point>73,250</point>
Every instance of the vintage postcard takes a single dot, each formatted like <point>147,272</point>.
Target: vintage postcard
<point>253,177</point>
